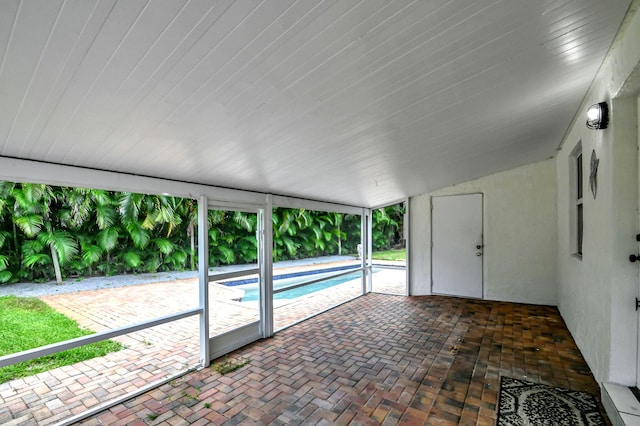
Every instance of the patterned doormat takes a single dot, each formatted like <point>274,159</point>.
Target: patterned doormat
<point>526,403</point>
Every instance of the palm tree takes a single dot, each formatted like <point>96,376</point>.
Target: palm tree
<point>350,232</point>
<point>92,215</point>
<point>232,237</point>
<point>135,216</point>
<point>141,215</point>
<point>388,226</point>
<point>5,273</point>
<point>33,213</point>
<point>284,232</point>
<point>188,210</point>
<point>5,236</point>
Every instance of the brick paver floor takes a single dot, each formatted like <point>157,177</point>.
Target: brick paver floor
<point>150,355</point>
<point>379,359</point>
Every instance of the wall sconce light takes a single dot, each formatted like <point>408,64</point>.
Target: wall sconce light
<point>598,116</point>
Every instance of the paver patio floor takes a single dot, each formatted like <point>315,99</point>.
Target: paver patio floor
<point>379,359</point>
<point>152,354</point>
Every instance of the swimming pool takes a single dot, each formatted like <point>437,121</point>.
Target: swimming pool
<point>250,286</point>
<point>252,294</point>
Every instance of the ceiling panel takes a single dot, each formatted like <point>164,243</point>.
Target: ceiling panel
<point>357,102</point>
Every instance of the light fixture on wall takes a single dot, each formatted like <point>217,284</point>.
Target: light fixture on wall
<point>598,116</point>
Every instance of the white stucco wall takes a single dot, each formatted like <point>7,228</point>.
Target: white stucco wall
<point>419,264</point>
<point>519,234</point>
<point>596,293</point>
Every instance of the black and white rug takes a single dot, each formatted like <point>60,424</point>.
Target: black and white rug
<point>525,403</point>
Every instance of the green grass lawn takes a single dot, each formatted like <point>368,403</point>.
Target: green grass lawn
<point>395,254</point>
<point>27,323</point>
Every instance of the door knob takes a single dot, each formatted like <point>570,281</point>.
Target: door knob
<point>478,247</point>
<point>634,257</point>
<point>480,254</point>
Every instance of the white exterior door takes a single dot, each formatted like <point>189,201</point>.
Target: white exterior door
<point>457,248</point>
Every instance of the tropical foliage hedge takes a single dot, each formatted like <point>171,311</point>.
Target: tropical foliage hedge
<point>50,232</point>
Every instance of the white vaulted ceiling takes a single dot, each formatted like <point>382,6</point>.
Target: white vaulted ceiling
<point>356,102</point>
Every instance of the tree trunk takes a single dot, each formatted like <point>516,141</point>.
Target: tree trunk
<point>56,264</point>
<point>191,232</point>
<point>16,247</point>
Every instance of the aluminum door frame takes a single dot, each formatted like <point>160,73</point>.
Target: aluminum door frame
<point>216,346</point>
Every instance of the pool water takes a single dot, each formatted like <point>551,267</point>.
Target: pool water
<point>251,291</point>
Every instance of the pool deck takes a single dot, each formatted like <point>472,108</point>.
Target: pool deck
<point>156,353</point>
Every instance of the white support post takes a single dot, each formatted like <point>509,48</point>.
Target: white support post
<point>266,267</point>
<point>365,239</point>
<point>362,251</point>
<point>370,251</point>
<point>203,275</point>
<point>407,235</point>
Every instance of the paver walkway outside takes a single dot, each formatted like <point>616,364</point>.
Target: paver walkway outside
<point>429,360</point>
<point>152,354</point>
